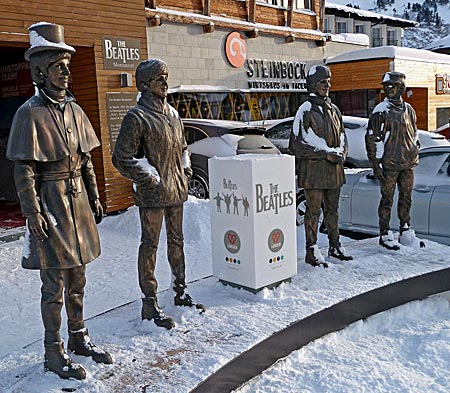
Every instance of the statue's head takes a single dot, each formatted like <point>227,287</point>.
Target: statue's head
<point>394,84</point>
<point>152,75</point>
<point>47,47</point>
<point>318,79</point>
<point>41,62</point>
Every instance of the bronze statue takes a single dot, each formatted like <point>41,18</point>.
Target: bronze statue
<point>392,148</point>
<point>151,151</point>
<point>319,143</point>
<point>50,143</point>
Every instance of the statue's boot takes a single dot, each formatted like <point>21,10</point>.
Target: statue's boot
<point>60,363</point>
<point>151,311</point>
<point>184,299</point>
<point>80,343</point>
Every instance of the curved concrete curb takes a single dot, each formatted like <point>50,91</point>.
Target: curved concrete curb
<point>254,361</point>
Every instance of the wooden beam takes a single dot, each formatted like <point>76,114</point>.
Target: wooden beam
<point>203,21</point>
<point>251,10</point>
<point>207,7</point>
<point>151,3</point>
<point>290,11</point>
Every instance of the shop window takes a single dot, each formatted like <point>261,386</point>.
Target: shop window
<point>341,27</point>
<point>355,102</point>
<point>243,106</point>
<point>442,116</point>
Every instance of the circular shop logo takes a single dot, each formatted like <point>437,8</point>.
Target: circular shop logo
<point>236,49</point>
<point>232,242</point>
<point>275,240</point>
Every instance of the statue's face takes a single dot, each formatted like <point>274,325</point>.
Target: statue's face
<point>158,86</point>
<point>58,74</point>
<point>393,90</point>
<point>322,87</point>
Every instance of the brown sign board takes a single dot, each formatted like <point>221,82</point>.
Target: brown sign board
<point>121,53</point>
<point>442,84</point>
<point>117,105</point>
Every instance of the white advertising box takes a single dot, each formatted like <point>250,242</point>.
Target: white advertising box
<point>253,219</point>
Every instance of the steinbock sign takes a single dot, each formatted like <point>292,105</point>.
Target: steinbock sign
<point>121,53</point>
<point>265,74</point>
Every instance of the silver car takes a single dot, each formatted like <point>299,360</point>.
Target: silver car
<point>430,212</point>
<point>278,131</point>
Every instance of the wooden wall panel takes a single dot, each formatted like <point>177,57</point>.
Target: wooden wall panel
<point>85,23</point>
<point>358,74</point>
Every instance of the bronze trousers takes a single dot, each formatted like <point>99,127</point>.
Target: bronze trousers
<point>314,198</point>
<point>151,222</point>
<point>404,180</point>
<point>54,281</point>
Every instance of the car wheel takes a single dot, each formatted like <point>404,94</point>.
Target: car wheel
<point>198,185</point>
<point>301,210</point>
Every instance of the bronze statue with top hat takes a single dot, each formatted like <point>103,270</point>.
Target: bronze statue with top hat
<point>50,143</point>
<point>393,149</point>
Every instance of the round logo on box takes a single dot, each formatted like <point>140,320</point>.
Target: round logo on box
<point>275,240</point>
<point>232,241</point>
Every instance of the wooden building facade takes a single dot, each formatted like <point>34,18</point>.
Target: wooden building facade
<point>86,23</point>
<point>356,83</point>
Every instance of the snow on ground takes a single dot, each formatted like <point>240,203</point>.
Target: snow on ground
<point>151,359</point>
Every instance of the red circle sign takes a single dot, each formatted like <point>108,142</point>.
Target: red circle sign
<point>236,49</point>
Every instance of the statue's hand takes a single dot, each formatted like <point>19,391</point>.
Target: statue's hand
<point>188,172</point>
<point>378,172</point>
<point>335,158</point>
<point>37,226</point>
<point>97,209</point>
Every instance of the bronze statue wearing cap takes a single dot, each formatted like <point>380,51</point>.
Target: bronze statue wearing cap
<point>50,143</point>
<point>392,148</point>
<point>320,146</point>
<point>152,152</point>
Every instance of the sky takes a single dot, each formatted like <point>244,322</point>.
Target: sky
<point>400,350</point>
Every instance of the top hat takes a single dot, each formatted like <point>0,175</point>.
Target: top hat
<point>393,77</point>
<point>47,36</point>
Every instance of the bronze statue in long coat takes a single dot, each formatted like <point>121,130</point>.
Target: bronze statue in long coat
<point>50,143</point>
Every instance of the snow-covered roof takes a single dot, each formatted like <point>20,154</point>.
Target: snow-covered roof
<point>390,52</point>
<point>368,15</point>
<point>442,43</point>
<point>354,38</point>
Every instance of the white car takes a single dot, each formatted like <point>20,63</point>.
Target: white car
<point>278,131</point>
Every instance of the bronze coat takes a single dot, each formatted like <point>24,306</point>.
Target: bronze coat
<point>325,120</point>
<point>151,139</point>
<point>54,176</point>
<point>396,126</point>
